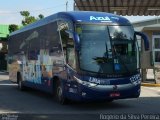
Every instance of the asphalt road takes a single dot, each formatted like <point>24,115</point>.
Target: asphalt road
<point>32,102</point>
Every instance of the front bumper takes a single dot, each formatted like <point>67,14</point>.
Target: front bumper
<point>102,92</point>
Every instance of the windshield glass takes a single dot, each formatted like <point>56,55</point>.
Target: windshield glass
<point>107,49</point>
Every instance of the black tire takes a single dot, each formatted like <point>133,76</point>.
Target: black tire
<point>59,94</point>
<point>20,83</point>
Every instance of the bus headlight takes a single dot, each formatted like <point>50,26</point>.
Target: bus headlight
<point>135,79</point>
<point>88,84</point>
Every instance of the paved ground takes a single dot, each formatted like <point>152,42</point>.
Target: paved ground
<point>150,74</point>
<point>35,102</point>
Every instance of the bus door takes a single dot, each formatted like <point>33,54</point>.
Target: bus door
<point>68,47</point>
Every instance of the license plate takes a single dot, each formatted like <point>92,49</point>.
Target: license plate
<point>114,94</point>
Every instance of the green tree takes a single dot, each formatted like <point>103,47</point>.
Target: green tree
<point>13,28</point>
<point>25,13</point>
<point>4,48</point>
<point>28,19</point>
<point>41,16</point>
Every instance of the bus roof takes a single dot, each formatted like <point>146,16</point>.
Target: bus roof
<point>78,16</point>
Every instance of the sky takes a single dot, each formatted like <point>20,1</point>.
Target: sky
<point>9,9</point>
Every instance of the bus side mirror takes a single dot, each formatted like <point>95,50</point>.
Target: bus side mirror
<point>145,38</point>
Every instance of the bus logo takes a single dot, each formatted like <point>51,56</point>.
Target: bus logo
<point>94,80</point>
<point>99,18</point>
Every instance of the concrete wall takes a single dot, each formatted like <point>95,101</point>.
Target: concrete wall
<point>146,56</point>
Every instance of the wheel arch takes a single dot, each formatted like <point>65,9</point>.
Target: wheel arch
<point>55,81</point>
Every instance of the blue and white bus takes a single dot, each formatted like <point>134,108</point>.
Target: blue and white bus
<point>82,56</point>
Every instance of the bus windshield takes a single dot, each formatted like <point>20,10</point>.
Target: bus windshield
<point>107,49</point>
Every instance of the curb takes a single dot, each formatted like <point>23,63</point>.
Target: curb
<point>150,85</point>
<point>4,73</point>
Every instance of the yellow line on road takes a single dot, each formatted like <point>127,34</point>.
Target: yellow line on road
<point>150,85</point>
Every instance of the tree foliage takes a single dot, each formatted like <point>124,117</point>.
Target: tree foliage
<point>25,13</point>
<point>41,16</point>
<point>28,19</point>
<point>13,28</point>
<point>4,48</point>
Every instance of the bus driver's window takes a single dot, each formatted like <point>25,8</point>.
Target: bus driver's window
<point>67,43</point>
<point>71,52</point>
<point>64,36</point>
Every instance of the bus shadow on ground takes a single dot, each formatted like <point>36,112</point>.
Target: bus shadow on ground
<point>149,105</point>
<point>50,105</point>
<point>76,104</point>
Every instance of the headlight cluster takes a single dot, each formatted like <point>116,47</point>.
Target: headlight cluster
<point>135,79</point>
<point>88,84</point>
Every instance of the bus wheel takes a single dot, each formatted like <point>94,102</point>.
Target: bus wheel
<point>59,94</point>
<point>20,84</point>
